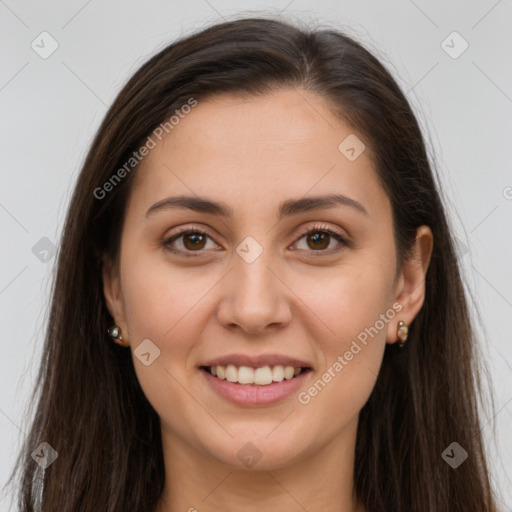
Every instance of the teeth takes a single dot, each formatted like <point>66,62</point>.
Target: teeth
<point>288,372</point>
<point>278,373</point>
<point>259,376</point>
<point>245,375</point>
<point>231,373</point>
<point>263,376</point>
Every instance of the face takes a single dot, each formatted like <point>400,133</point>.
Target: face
<point>268,284</point>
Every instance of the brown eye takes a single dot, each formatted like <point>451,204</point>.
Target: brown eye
<point>194,241</point>
<point>319,240</point>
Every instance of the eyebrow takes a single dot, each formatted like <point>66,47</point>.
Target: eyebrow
<point>286,209</point>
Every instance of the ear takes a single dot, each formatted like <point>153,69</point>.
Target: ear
<point>410,288</point>
<point>113,295</point>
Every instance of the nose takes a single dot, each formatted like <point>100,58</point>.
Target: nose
<point>255,297</point>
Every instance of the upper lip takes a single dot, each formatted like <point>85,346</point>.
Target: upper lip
<point>257,361</point>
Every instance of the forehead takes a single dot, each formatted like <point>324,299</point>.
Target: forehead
<point>265,148</point>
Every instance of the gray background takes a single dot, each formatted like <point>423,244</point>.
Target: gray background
<point>51,107</point>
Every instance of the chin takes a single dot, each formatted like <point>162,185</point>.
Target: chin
<point>262,452</point>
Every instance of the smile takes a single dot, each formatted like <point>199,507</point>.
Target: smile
<point>248,386</point>
<point>262,376</point>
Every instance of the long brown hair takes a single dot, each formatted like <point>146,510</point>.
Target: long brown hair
<point>89,405</point>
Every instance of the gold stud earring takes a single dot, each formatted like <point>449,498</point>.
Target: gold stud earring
<point>115,333</point>
<point>402,333</point>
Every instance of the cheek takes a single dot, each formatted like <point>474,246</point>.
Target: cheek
<point>355,308</point>
<point>162,305</point>
<point>158,298</point>
<point>348,301</point>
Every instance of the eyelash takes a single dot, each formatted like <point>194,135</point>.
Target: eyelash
<point>315,229</point>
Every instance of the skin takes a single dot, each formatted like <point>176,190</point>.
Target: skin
<point>252,153</point>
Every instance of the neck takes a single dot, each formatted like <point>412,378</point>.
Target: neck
<point>321,480</point>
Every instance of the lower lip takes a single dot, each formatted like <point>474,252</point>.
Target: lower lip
<point>248,394</point>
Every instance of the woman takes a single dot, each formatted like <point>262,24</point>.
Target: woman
<point>257,228</point>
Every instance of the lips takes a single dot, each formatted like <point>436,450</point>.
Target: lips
<point>251,395</point>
